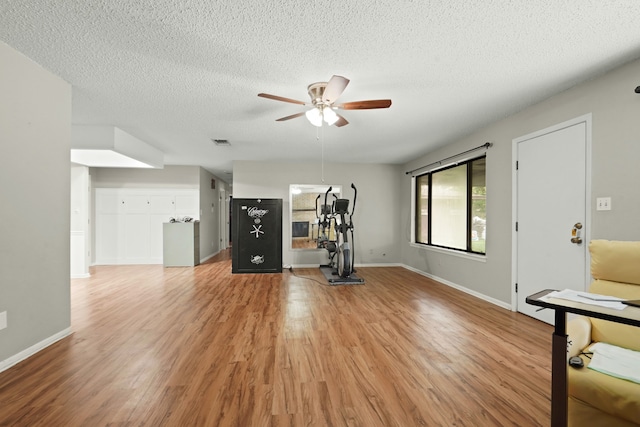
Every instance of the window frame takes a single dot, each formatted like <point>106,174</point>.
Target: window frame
<point>469,206</point>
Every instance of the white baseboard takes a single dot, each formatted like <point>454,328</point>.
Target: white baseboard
<point>14,360</point>
<point>80,276</point>
<point>356,265</point>
<point>137,261</point>
<point>286,266</point>
<point>209,257</point>
<point>476,294</point>
<point>389,264</point>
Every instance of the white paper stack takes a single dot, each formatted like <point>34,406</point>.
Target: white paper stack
<point>588,298</point>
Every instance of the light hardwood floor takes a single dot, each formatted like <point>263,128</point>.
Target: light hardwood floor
<point>202,347</point>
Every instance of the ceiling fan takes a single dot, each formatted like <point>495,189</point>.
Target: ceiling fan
<point>323,97</point>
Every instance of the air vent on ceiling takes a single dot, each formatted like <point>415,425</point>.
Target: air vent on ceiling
<point>222,142</point>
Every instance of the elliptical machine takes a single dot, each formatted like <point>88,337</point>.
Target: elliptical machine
<point>341,247</point>
<point>324,221</point>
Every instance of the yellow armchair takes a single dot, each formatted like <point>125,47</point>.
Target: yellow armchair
<point>596,399</point>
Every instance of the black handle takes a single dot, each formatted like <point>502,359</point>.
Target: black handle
<point>353,208</point>
<point>324,217</point>
<point>317,215</point>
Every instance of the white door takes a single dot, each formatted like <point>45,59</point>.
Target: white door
<point>222,220</point>
<point>109,221</point>
<point>551,200</point>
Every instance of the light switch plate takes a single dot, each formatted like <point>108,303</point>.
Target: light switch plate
<point>603,203</point>
<point>3,320</point>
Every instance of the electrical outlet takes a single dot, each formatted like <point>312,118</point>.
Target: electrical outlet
<point>3,320</point>
<point>603,203</point>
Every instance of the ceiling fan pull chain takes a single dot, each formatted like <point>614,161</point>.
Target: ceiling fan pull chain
<point>319,130</point>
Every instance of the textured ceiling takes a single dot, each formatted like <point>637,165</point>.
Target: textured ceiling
<point>177,73</point>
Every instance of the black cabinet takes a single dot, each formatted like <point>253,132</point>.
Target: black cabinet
<point>257,236</point>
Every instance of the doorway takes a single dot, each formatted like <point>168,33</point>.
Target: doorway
<point>222,216</point>
<point>551,210</point>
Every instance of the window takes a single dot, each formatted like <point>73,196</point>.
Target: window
<point>451,207</point>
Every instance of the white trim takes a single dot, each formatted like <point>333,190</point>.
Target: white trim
<point>209,257</point>
<point>121,261</point>
<point>80,276</point>
<point>471,292</point>
<point>376,265</point>
<point>587,119</point>
<point>286,266</point>
<point>381,264</point>
<point>15,359</point>
<point>412,237</point>
<point>514,217</point>
<point>460,254</point>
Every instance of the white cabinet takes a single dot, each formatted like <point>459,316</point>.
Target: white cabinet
<point>129,222</point>
<point>181,244</point>
<point>162,203</point>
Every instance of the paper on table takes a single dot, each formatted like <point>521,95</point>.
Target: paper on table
<point>615,361</point>
<point>588,298</point>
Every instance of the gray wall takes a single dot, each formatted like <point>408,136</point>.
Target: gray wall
<point>615,112</point>
<point>376,220</point>
<point>35,132</point>
<point>168,177</point>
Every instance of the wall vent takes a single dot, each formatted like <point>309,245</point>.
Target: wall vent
<point>222,142</point>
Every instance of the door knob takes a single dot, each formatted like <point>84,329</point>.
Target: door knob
<point>575,233</point>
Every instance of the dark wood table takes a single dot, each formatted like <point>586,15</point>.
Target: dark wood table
<point>559,396</point>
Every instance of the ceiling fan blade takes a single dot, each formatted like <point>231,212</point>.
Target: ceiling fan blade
<point>280,98</point>
<point>335,87</point>
<point>293,116</point>
<point>365,105</point>
<point>341,121</point>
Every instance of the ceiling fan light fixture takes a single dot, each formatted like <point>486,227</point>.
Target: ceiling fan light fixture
<point>330,116</point>
<point>314,116</point>
<point>323,97</point>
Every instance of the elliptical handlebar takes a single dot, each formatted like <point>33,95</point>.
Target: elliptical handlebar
<point>323,210</point>
<point>353,208</point>
<point>318,214</point>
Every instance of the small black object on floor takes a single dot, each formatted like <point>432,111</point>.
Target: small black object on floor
<point>576,362</point>
<point>331,274</point>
